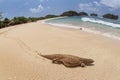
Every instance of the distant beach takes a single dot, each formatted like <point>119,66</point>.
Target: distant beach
<point>18,60</point>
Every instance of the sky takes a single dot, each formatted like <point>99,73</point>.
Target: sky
<point>39,8</point>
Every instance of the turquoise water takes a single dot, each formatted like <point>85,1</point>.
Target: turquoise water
<point>105,27</point>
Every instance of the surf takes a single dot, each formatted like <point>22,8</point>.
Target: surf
<point>98,21</point>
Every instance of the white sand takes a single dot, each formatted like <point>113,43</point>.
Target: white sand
<point>19,62</point>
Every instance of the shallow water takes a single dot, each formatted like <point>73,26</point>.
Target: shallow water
<point>105,27</point>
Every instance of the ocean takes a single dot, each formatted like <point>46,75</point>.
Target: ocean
<point>106,27</point>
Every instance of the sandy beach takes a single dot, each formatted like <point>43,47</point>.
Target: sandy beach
<point>18,60</point>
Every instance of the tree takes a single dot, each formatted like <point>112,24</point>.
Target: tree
<point>83,14</point>
<point>32,19</point>
<point>110,16</point>
<point>19,20</point>
<point>50,16</point>
<point>69,13</point>
<point>1,23</point>
<point>23,19</point>
<point>6,21</point>
<point>15,21</point>
<point>93,14</point>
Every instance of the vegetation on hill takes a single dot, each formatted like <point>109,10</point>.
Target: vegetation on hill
<point>74,13</point>
<point>83,14</point>
<point>50,16</point>
<point>20,20</point>
<point>110,16</point>
<point>17,20</point>
<point>93,14</point>
<point>69,13</point>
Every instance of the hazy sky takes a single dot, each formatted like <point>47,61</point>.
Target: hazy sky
<point>11,8</point>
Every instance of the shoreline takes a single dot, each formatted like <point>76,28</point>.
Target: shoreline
<point>19,62</point>
<point>81,28</point>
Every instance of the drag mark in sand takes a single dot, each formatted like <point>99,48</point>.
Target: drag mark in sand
<point>25,48</point>
<point>22,44</point>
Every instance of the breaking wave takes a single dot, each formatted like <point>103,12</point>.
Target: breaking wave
<point>94,20</point>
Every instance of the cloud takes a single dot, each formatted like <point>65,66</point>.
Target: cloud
<point>114,4</point>
<point>97,3</point>
<point>37,10</point>
<point>87,7</point>
<point>4,14</point>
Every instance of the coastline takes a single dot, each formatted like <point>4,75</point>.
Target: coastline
<point>70,26</point>
<point>19,62</point>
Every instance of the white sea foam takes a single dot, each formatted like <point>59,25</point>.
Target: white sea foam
<point>100,22</point>
<point>84,29</point>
